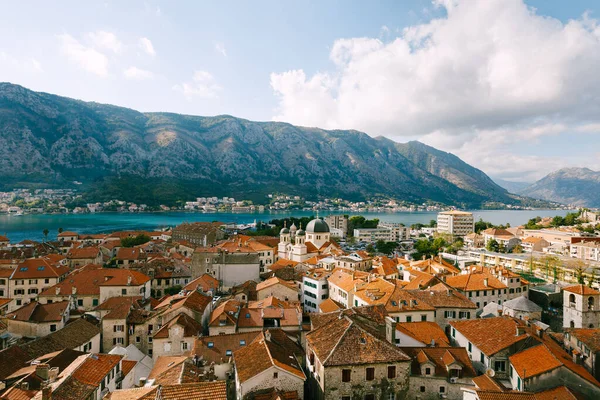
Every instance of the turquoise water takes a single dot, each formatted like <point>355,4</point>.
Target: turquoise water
<point>31,226</point>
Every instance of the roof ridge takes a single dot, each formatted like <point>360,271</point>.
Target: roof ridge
<point>340,339</point>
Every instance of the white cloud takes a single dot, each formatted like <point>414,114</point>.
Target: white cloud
<point>86,57</point>
<point>138,74</point>
<point>203,85</point>
<point>106,40</point>
<point>480,72</point>
<point>146,45</point>
<point>220,48</point>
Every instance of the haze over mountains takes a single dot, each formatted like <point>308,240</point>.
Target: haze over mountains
<point>576,186</point>
<point>48,140</point>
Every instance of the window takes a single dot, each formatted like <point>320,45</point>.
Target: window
<point>80,302</point>
<point>470,347</point>
<point>391,396</point>
<point>275,375</point>
<point>228,352</point>
<point>442,389</point>
<point>422,389</point>
<point>408,318</point>
<point>424,317</point>
<point>149,339</point>
<point>138,339</point>
<point>46,280</point>
<point>369,396</point>
<point>211,345</point>
<point>123,292</point>
<point>427,371</point>
<point>510,371</point>
<point>453,332</point>
<point>500,366</point>
<point>184,346</point>
<point>94,302</point>
<point>370,374</point>
<point>53,328</point>
<point>391,372</point>
<point>482,358</point>
<point>346,375</point>
<point>242,342</point>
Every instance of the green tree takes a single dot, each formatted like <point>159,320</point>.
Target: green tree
<point>60,230</point>
<point>46,232</point>
<point>173,290</point>
<point>135,241</point>
<point>432,223</point>
<point>370,249</point>
<point>386,247</point>
<point>492,245</point>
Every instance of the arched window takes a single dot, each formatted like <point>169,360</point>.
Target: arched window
<point>571,298</point>
<point>591,326</point>
<point>590,303</point>
<point>572,324</point>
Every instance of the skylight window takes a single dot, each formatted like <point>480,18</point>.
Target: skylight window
<point>211,345</point>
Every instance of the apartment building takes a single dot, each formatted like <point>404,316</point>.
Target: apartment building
<point>458,223</point>
<point>315,288</point>
<point>31,277</point>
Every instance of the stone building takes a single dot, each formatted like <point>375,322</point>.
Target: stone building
<point>198,233</point>
<point>231,265</point>
<point>581,307</point>
<point>348,356</point>
<point>272,360</point>
<point>176,337</point>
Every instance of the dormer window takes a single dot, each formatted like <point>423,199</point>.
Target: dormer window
<point>210,345</point>
<point>427,371</point>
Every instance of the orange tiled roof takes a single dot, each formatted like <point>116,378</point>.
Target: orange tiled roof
<point>490,335</point>
<point>534,361</point>
<point>190,327</point>
<point>351,337</point>
<point>275,281</point>
<point>130,253</point>
<point>95,368</point>
<point>88,280</point>
<point>442,296</point>
<point>329,305</point>
<point>192,391</point>
<point>475,281</point>
<point>219,345</point>
<point>127,366</point>
<point>589,336</point>
<point>83,253</point>
<point>35,268</point>
<point>36,312</point>
<point>207,282</point>
<point>581,289</point>
<point>557,393</point>
<point>425,332</point>
<point>270,348</point>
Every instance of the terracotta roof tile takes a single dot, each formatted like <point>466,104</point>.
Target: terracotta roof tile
<point>350,337</point>
<point>215,348</point>
<point>581,289</point>
<point>329,305</point>
<point>36,312</point>
<point>127,366</point>
<point>424,332</point>
<point>33,268</point>
<point>83,253</point>
<point>96,367</point>
<point>192,391</point>
<point>270,348</point>
<point>441,358</point>
<point>490,335</point>
<point>191,328</point>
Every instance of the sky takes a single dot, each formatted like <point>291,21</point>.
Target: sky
<point>511,87</point>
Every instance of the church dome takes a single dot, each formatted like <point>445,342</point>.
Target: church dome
<point>293,228</point>
<point>300,233</point>
<point>317,226</point>
<point>284,231</point>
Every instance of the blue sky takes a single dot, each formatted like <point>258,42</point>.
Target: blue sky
<point>504,85</point>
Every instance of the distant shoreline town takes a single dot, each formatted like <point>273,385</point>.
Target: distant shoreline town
<point>65,201</point>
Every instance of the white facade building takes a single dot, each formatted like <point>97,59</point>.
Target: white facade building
<point>459,223</point>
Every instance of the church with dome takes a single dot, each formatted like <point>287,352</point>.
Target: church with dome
<point>300,245</point>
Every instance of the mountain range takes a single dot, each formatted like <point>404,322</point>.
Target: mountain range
<point>50,141</point>
<point>576,186</point>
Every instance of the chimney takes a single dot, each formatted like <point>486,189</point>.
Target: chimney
<point>53,374</point>
<point>24,385</point>
<point>449,292</point>
<point>267,336</point>
<point>129,280</point>
<point>41,370</point>
<point>485,282</point>
<point>432,344</point>
<point>74,290</point>
<point>47,393</point>
<point>142,381</point>
<point>57,290</point>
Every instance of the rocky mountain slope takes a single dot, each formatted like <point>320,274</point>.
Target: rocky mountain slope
<point>576,186</point>
<point>121,153</point>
